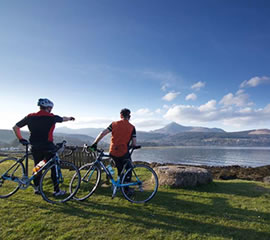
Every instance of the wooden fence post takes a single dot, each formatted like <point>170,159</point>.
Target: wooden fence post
<point>78,158</point>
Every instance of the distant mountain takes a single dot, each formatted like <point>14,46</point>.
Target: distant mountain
<point>259,132</point>
<point>8,139</point>
<point>6,136</point>
<point>174,128</point>
<point>171,135</point>
<point>93,132</point>
<point>73,139</point>
<point>240,139</point>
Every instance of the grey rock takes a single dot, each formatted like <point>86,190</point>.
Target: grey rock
<point>266,179</point>
<point>182,176</point>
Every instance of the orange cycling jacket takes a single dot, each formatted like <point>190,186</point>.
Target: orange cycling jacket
<point>122,133</point>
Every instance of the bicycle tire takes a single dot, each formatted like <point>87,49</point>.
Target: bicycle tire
<point>144,182</point>
<point>90,179</point>
<point>9,187</point>
<point>66,172</point>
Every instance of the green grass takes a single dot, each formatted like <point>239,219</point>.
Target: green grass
<point>220,210</point>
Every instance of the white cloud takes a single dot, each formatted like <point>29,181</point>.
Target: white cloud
<point>245,110</point>
<point>255,81</point>
<point>209,106</point>
<point>144,119</point>
<point>164,87</point>
<point>181,113</point>
<point>165,106</point>
<point>226,116</point>
<point>170,96</point>
<point>240,99</point>
<point>267,109</point>
<point>197,86</point>
<point>86,122</point>
<point>143,112</point>
<point>148,124</point>
<point>158,111</point>
<point>191,96</point>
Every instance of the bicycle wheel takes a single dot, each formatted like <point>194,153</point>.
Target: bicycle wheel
<point>9,171</point>
<point>143,184</point>
<point>90,179</point>
<point>55,182</point>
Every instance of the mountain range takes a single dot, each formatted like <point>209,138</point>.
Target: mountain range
<point>172,134</point>
<point>174,128</point>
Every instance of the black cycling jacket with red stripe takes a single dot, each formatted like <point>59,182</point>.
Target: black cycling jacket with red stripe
<point>41,126</point>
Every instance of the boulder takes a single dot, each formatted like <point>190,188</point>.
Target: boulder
<point>182,176</point>
<point>266,179</point>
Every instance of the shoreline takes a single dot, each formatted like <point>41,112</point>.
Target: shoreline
<point>228,172</point>
<point>212,147</point>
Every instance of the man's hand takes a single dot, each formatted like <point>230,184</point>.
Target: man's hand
<point>94,147</point>
<point>68,119</point>
<point>24,142</point>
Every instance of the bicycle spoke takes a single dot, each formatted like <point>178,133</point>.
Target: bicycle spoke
<point>142,184</point>
<point>9,175</point>
<point>90,178</point>
<point>56,183</point>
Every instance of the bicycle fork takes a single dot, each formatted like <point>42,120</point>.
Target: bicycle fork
<point>115,186</point>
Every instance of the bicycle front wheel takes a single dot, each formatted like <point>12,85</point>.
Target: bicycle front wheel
<point>10,171</point>
<point>90,179</point>
<point>55,183</point>
<point>141,184</point>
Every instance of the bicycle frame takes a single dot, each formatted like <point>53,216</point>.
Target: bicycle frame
<point>138,182</point>
<point>116,183</point>
<point>25,180</point>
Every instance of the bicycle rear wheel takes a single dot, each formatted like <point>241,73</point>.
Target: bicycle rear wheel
<point>9,172</point>
<point>55,183</point>
<point>142,186</point>
<point>90,179</point>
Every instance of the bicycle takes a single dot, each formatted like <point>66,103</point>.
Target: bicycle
<point>14,176</point>
<point>139,188</point>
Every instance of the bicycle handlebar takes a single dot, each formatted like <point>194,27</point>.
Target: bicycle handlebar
<point>100,150</point>
<point>60,147</point>
<point>136,147</point>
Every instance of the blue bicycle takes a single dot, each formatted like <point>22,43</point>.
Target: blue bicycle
<point>138,184</point>
<point>56,174</point>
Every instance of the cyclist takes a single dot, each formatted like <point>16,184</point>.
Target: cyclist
<point>41,126</point>
<point>123,133</point>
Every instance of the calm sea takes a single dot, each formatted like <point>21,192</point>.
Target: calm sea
<point>211,156</point>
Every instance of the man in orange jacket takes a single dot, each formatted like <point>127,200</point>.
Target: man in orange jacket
<point>123,134</point>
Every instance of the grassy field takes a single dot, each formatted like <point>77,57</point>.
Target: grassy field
<point>221,210</point>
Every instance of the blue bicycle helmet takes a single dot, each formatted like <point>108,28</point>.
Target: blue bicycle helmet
<point>44,102</point>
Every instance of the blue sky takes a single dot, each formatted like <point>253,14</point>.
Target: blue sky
<point>198,63</point>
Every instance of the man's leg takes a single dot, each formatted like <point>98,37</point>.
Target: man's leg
<point>128,166</point>
<point>37,156</point>
<point>54,178</point>
<point>57,190</point>
<point>49,155</point>
<point>120,163</point>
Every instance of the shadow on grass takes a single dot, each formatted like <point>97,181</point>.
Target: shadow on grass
<point>169,212</point>
<point>245,189</point>
<point>208,222</point>
<point>178,212</point>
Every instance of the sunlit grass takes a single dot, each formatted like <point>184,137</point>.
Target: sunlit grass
<point>221,210</point>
